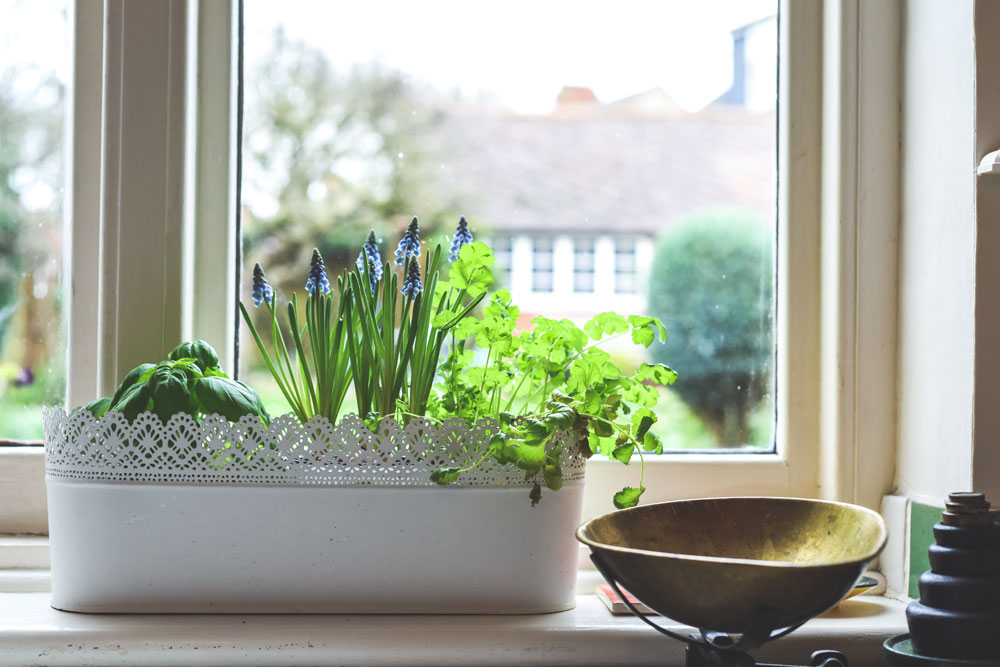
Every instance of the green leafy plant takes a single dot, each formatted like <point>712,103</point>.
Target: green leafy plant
<point>555,377</point>
<point>410,341</point>
<point>190,381</point>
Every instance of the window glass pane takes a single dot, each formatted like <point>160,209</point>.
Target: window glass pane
<point>645,130</point>
<point>502,251</point>
<point>34,69</point>
<point>625,266</point>
<point>542,265</point>
<point>583,265</point>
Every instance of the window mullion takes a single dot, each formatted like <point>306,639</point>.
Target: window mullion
<point>798,244</point>
<point>860,229</point>
<point>210,238</point>
<point>82,208</point>
<point>142,185</point>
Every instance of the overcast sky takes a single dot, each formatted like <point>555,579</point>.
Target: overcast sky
<point>524,51</point>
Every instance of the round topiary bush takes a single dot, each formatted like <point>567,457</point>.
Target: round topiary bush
<point>711,284</point>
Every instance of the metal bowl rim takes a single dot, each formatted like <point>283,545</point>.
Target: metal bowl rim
<point>883,537</point>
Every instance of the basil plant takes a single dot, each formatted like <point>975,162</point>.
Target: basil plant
<point>189,381</point>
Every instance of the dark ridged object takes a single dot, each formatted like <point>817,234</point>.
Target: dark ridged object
<point>958,614</point>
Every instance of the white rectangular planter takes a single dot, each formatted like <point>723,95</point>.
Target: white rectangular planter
<point>121,545</point>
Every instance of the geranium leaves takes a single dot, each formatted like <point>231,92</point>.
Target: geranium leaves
<point>645,330</point>
<point>628,497</point>
<point>605,324</point>
<point>445,475</point>
<point>471,271</point>
<point>551,377</point>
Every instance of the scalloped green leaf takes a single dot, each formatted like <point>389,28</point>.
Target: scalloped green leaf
<point>628,497</point>
<point>658,373</point>
<point>605,324</point>
<point>445,476</point>
<point>623,452</point>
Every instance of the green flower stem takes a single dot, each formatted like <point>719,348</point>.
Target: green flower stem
<point>482,382</point>
<point>285,364</point>
<point>300,355</point>
<point>270,364</point>
<point>527,402</point>
<point>635,443</point>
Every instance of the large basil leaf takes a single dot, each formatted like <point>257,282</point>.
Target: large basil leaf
<point>134,400</point>
<point>98,406</point>
<point>168,388</point>
<point>228,398</point>
<point>131,379</point>
<point>200,351</point>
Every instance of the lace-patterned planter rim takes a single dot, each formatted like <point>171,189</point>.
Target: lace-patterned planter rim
<point>290,453</point>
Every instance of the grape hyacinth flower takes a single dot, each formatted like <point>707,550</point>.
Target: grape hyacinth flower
<point>261,290</point>
<point>409,245</point>
<point>369,251</point>
<point>462,237</point>
<point>412,286</point>
<point>317,283</point>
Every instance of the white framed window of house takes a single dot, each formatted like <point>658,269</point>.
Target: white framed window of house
<point>542,264</point>
<point>583,265</point>
<point>193,48</point>
<point>502,252</point>
<point>625,266</point>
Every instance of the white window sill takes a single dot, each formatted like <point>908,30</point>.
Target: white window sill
<point>33,633</point>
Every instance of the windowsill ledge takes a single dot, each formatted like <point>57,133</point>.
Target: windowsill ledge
<point>31,632</point>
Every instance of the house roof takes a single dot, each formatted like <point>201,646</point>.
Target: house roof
<point>630,168</point>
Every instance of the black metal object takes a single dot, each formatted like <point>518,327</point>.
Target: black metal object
<point>899,652</point>
<point>708,648</point>
<point>958,613</point>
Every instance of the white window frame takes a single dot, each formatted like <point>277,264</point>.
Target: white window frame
<point>829,402</point>
<point>838,163</point>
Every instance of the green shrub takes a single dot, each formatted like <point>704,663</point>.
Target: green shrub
<point>711,284</point>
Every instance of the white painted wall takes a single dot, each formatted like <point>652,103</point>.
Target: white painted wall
<point>937,249</point>
<point>986,447</point>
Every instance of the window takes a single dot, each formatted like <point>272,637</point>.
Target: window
<point>792,469</point>
<point>34,65</point>
<point>583,265</point>
<point>542,265</point>
<point>581,156</point>
<point>503,252</point>
<point>625,266</point>
<point>151,215</point>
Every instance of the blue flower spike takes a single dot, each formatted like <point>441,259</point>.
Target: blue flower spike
<point>261,290</point>
<point>369,252</point>
<point>409,245</point>
<point>412,286</point>
<point>462,237</point>
<point>317,283</point>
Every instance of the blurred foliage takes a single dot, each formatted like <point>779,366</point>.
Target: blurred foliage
<point>330,155</point>
<point>711,284</point>
<point>31,129</point>
<point>31,172</point>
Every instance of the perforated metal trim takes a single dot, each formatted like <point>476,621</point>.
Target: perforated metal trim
<point>215,451</point>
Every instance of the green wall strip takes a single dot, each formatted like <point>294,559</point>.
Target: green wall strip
<point>922,520</point>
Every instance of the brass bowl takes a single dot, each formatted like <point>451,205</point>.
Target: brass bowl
<point>737,565</point>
